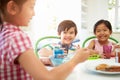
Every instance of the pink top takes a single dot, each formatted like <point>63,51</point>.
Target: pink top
<point>13,41</point>
<point>99,47</point>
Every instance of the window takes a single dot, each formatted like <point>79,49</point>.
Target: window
<point>114,14</point>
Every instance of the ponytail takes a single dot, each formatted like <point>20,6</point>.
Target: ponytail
<point>1,22</point>
<point>1,18</point>
<point>0,12</point>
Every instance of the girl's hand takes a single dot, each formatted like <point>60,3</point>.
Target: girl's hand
<point>114,49</point>
<point>82,54</point>
<point>46,60</point>
<point>78,46</point>
<point>102,55</point>
<point>94,54</point>
<point>45,52</point>
<point>117,46</point>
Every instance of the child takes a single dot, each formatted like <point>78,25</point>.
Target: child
<point>102,30</point>
<point>17,58</point>
<point>67,31</point>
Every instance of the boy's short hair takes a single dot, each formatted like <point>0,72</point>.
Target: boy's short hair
<point>66,24</point>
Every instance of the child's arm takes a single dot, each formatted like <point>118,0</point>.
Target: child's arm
<point>44,52</point>
<point>91,45</point>
<point>44,56</point>
<point>31,64</point>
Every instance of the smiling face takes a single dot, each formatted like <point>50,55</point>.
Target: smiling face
<point>19,15</point>
<point>68,36</point>
<point>26,13</point>
<point>102,33</point>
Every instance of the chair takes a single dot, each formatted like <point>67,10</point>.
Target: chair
<point>93,37</point>
<point>45,42</point>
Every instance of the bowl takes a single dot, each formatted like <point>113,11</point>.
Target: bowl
<point>94,56</point>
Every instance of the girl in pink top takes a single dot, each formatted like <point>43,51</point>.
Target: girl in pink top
<point>102,31</point>
<point>99,47</point>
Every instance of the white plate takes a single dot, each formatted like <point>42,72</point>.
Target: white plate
<point>91,66</point>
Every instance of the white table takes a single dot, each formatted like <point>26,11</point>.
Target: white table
<point>81,73</point>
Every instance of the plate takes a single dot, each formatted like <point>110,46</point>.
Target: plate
<point>91,66</point>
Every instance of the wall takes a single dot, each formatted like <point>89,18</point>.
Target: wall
<point>116,35</point>
<point>97,9</point>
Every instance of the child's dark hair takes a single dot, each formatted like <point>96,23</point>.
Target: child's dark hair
<point>102,21</point>
<point>66,24</point>
<point>3,4</point>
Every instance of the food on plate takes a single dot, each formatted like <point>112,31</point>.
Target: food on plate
<point>109,68</point>
<point>113,69</point>
<point>102,67</point>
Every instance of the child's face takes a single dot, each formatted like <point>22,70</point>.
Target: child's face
<point>68,36</point>
<point>102,32</point>
<point>23,16</point>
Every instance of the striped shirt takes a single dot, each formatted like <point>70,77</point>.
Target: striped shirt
<point>13,42</point>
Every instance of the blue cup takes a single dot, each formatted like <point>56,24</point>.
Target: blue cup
<point>58,53</point>
<point>56,61</point>
<point>58,56</point>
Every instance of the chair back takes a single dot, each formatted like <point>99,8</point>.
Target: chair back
<point>93,37</point>
<point>45,42</point>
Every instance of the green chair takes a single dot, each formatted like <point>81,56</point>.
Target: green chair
<point>45,42</point>
<point>93,37</point>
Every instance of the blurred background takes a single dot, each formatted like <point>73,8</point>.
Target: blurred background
<point>85,13</point>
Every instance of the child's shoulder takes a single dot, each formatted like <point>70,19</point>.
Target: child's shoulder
<point>111,43</point>
<point>93,41</point>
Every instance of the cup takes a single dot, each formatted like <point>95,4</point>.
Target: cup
<point>107,55</point>
<point>57,57</point>
<point>56,61</point>
<point>117,55</point>
<point>107,51</point>
<point>58,53</point>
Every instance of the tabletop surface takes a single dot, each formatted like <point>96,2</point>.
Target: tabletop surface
<point>81,72</point>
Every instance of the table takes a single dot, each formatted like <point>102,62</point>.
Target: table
<point>81,73</point>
